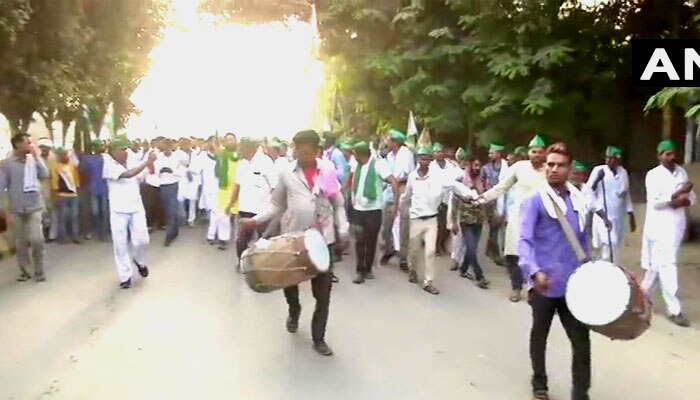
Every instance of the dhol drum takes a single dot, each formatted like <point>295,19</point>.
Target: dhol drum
<point>609,300</point>
<point>285,260</point>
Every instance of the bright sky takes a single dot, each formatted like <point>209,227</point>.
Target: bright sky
<point>253,80</point>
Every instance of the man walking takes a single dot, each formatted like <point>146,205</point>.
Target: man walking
<point>422,197</point>
<point>65,183</point>
<point>127,214</point>
<point>307,189</point>
<point>669,193</point>
<point>169,169</point>
<point>491,174</point>
<point>401,164</point>
<point>610,186</point>
<point>523,177</point>
<point>93,167</point>
<point>548,259</point>
<point>20,179</point>
<point>366,186</point>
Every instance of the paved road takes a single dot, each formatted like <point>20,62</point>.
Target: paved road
<point>193,330</point>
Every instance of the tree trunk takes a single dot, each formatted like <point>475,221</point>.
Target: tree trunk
<point>65,125</point>
<point>667,113</point>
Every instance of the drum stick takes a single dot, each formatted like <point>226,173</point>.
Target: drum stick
<point>607,227</point>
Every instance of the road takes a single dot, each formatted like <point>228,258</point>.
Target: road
<point>193,330</point>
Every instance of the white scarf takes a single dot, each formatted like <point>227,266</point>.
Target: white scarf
<point>31,180</point>
<point>578,200</point>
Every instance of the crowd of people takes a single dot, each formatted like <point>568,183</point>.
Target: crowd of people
<point>405,200</point>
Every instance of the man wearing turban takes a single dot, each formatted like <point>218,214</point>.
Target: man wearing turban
<point>669,193</point>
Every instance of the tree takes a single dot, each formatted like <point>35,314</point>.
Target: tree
<point>38,59</point>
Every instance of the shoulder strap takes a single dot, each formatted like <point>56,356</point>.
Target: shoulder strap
<point>569,232</point>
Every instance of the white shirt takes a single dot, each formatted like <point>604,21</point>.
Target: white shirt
<point>256,182</point>
<point>663,222</point>
<point>174,162</point>
<point>425,194</point>
<point>124,193</point>
<point>401,165</point>
<point>359,201</point>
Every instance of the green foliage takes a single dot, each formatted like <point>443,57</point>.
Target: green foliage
<point>495,69</point>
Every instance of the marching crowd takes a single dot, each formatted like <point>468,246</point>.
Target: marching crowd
<point>422,201</point>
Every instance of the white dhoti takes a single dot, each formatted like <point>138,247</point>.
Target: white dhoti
<point>219,226</point>
<point>124,225</point>
<point>611,249</point>
<point>660,260</point>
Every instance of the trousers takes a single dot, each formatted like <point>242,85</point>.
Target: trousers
<point>100,215</point>
<point>543,310</point>
<point>514,272</point>
<point>28,234</point>
<point>168,198</point>
<point>123,226</point>
<point>321,288</point>
<point>152,203</point>
<point>368,224</point>
<point>67,216</point>
<point>471,234</point>
<point>423,231</point>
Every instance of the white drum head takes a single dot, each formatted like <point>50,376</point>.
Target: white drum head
<point>318,249</point>
<point>598,293</point>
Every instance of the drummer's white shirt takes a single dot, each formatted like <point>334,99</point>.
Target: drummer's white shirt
<point>256,182</point>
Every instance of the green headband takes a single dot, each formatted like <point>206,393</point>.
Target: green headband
<point>345,145</point>
<point>361,148</point>
<point>424,151</point>
<point>496,148</point>
<point>664,146</point>
<point>537,141</point>
<point>520,151</point>
<point>613,151</point>
<point>120,142</point>
<point>461,154</point>
<point>438,147</point>
<point>579,166</point>
<point>397,136</point>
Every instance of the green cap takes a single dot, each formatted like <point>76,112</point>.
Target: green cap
<point>424,151</point>
<point>361,148</point>
<point>537,141</point>
<point>397,136</point>
<point>664,146</point>
<point>438,147</point>
<point>119,142</point>
<point>496,148</point>
<point>96,142</point>
<point>275,144</point>
<point>579,166</point>
<point>520,151</point>
<point>462,154</point>
<point>346,145</point>
<point>60,150</point>
<point>613,151</point>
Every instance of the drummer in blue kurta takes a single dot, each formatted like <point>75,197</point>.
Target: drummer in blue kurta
<point>547,260</point>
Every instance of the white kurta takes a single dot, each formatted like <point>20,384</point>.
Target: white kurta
<point>523,178</point>
<point>664,228</point>
<point>210,182</point>
<point>188,186</point>
<point>619,204</point>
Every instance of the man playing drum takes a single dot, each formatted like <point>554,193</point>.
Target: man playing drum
<point>669,192</point>
<point>548,259</point>
<point>313,198</point>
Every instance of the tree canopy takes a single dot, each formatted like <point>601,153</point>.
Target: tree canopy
<point>496,70</point>
<point>61,58</point>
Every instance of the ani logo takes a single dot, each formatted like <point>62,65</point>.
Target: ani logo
<point>666,62</point>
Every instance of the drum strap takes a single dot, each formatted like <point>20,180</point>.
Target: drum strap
<point>569,233</point>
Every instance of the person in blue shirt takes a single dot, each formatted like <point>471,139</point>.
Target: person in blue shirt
<point>92,166</point>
